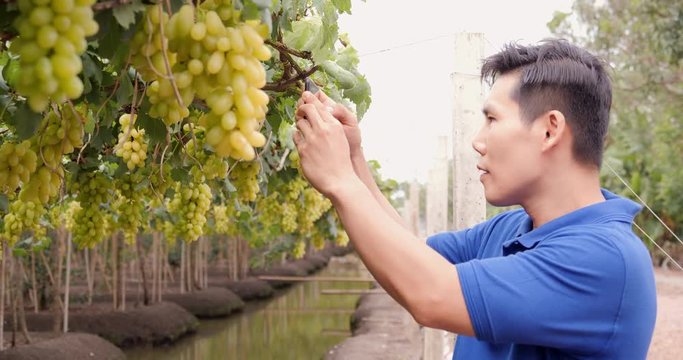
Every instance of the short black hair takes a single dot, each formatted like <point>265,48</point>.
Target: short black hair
<point>556,75</point>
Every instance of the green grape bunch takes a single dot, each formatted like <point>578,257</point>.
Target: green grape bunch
<point>130,205</point>
<point>52,36</point>
<point>17,162</point>
<point>190,205</point>
<point>299,249</point>
<point>61,133</point>
<point>22,216</point>
<point>289,218</point>
<point>94,190</point>
<point>220,215</point>
<point>132,146</point>
<point>245,178</point>
<point>310,209</point>
<point>219,57</point>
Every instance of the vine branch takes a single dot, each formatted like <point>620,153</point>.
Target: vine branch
<point>285,83</point>
<point>286,49</point>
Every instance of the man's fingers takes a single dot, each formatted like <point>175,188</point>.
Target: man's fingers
<point>304,126</point>
<point>298,138</point>
<point>344,115</point>
<point>310,112</point>
<point>323,110</point>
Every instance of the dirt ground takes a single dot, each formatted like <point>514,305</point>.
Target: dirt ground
<point>667,342</point>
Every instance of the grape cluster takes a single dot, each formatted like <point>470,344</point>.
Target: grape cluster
<point>70,220</point>
<point>299,249</point>
<point>318,240</point>
<point>215,167</point>
<point>342,238</point>
<point>22,216</point>
<point>218,57</point>
<point>269,210</point>
<point>289,216</point>
<point>220,215</point>
<point>132,147</point>
<point>294,188</point>
<point>147,45</point>
<point>190,205</point>
<point>313,206</point>
<point>51,38</point>
<point>130,206</point>
<point>245,178</point>
<point>61,132</point>
<point>17,163</point>
<point>93,190</point>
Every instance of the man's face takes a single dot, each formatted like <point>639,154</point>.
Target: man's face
<point>510,149</point>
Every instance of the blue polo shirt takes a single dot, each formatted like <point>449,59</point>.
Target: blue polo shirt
<point>580,286</point>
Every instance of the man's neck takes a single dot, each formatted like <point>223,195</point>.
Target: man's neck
<point>561,194</point>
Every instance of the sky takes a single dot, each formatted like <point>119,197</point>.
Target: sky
<point>407,54</point>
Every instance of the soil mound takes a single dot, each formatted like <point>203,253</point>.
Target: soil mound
<point>72,346</point>
<point>208,303</point>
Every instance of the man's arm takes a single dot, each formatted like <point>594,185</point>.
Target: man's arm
<point>421,280</point>
<point>360,166</point>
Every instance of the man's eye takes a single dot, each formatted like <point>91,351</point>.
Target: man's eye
<point>490,118</point>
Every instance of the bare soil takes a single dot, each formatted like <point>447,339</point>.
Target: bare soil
<point>667,342</point>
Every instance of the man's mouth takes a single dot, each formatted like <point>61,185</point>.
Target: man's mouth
<point>482,171</point>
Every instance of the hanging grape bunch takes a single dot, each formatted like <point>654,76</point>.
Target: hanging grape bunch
<point>93,191</point>
<point>245,178</point>
<point>51,39</point>
<point>215,56</point>
<point>17,162</point>
<point>132,146</point>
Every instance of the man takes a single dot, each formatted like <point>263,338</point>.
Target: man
<point>563,277</point>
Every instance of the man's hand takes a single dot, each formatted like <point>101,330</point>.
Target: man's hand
<point>347,118</point>
<point>323,148</point>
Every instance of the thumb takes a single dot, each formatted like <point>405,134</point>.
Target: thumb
<point>344,115</point>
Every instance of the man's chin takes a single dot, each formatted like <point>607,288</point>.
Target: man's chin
<point>499,201</point>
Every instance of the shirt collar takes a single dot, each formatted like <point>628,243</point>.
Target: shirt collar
<point>614,208</point>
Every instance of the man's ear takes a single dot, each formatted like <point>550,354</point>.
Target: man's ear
<point>554,127</point>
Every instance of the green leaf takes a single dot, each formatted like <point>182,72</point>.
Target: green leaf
<point>4,203</point>
<point>348,58</point>
<point>250,11</point>
<point>4,58</point>
<point>19,252</point>
<point>26,121</point>
<point>10,72</point>
<point>125,14</point>
<point>180,174</point>
<point>91,69</point>
<point>125,91</point>
<point>344,6</point>
<point>154,128</point>
<point>345,78</point>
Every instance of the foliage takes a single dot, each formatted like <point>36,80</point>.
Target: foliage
<point>153,135</point>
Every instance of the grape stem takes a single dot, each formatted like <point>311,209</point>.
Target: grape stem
<point>283,84</point>
<point>282,160</point>
<point>166,62</point>
<point>106,5</point>
<point>286,49</point>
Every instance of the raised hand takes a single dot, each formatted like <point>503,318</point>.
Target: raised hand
<point>323,147</point>
<point>347,118</point>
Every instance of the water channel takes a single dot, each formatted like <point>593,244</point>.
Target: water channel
<point>298,323</point>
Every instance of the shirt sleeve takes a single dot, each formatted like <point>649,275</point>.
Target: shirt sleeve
<point>565,293</point>
<point>458,246</point>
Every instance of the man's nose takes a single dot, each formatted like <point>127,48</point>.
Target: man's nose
<point>478,143</point>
